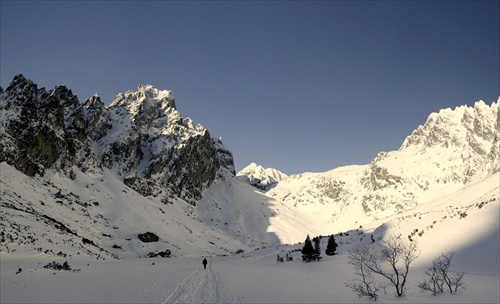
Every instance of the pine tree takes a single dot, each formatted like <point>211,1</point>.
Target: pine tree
<point>331,247</point>
<point>308,250</point>
<point>317,248</point>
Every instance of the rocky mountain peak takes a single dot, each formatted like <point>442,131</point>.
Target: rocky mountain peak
<point>140,136</point>
<point>93,101</point>
<point>451,150</point>
<point>94,117</point>
<point>19,83</point>
<point>24,90</point>
<point>475,126</point>
<point>260,177</point>
<point>146,105</point>
<point>146,96</point>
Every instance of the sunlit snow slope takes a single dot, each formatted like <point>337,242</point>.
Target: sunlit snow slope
<point>97,179</point>
<point>453,149</point>
<point>466,222</point>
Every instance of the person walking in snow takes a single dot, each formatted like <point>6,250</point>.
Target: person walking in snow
<point>205,263</point>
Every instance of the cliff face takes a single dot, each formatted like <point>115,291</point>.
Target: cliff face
<point>140,136</point>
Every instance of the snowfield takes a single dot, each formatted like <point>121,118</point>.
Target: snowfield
<point>76,231</point>
<point>466,222</point>
<point>249,278</point>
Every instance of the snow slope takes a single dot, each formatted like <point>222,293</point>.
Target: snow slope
<point>452,149</point>
<point>247,214</point>
<point>90,207</point>
<point>256,277</point>
<point>101,209</point>
<point>56,210</point>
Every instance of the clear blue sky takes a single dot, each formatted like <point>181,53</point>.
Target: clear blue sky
<point>298,86</point>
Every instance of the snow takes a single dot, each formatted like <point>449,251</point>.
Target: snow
<point>254,276</point>
<point>201,286</point>
<point>261,177</point>
<point>251,278</point>
<point>423,192</point>
<point>452,149</point>
<point>245,213</point>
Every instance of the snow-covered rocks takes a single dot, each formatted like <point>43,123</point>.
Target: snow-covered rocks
<point>451,150</point>
<point>141,136</point>
<point>260,177</point>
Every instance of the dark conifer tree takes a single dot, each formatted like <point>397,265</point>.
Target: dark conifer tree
<point>331,247</point>
<point>317,247</point>
<point>308,250</point>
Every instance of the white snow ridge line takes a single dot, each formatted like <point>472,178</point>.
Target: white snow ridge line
<point>201,286</point>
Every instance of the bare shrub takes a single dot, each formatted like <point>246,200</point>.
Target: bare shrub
<point>364,285</point>
<point>439,278</point>
<point>392,261</point>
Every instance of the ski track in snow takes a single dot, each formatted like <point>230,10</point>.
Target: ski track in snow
<point>200,286</point>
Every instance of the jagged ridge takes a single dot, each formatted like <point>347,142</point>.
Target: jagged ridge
<point>141,136</point>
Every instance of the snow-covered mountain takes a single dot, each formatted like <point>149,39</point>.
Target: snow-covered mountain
<point>140,136</point>
<point>452,149</point>
<point>260,177</point>
<point>132,178</point>
<point>94,177</point>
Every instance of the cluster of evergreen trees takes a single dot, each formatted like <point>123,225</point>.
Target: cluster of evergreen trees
<point>313,253</point>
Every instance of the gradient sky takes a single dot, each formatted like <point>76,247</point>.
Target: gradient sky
<point>297,86</point>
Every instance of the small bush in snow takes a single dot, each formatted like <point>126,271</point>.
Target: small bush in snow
<point>364,285</point>
<point>163,254</point>
<point>57,266</point>
<point>439,278</point>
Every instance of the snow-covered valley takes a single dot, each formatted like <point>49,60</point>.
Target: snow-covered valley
<point>110,189</point>
<point>255,276</point>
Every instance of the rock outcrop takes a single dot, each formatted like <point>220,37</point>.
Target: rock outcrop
<point>140,136</point>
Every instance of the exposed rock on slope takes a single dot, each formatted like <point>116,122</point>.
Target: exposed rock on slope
<point>452,149</point>
<point>141,136</point>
